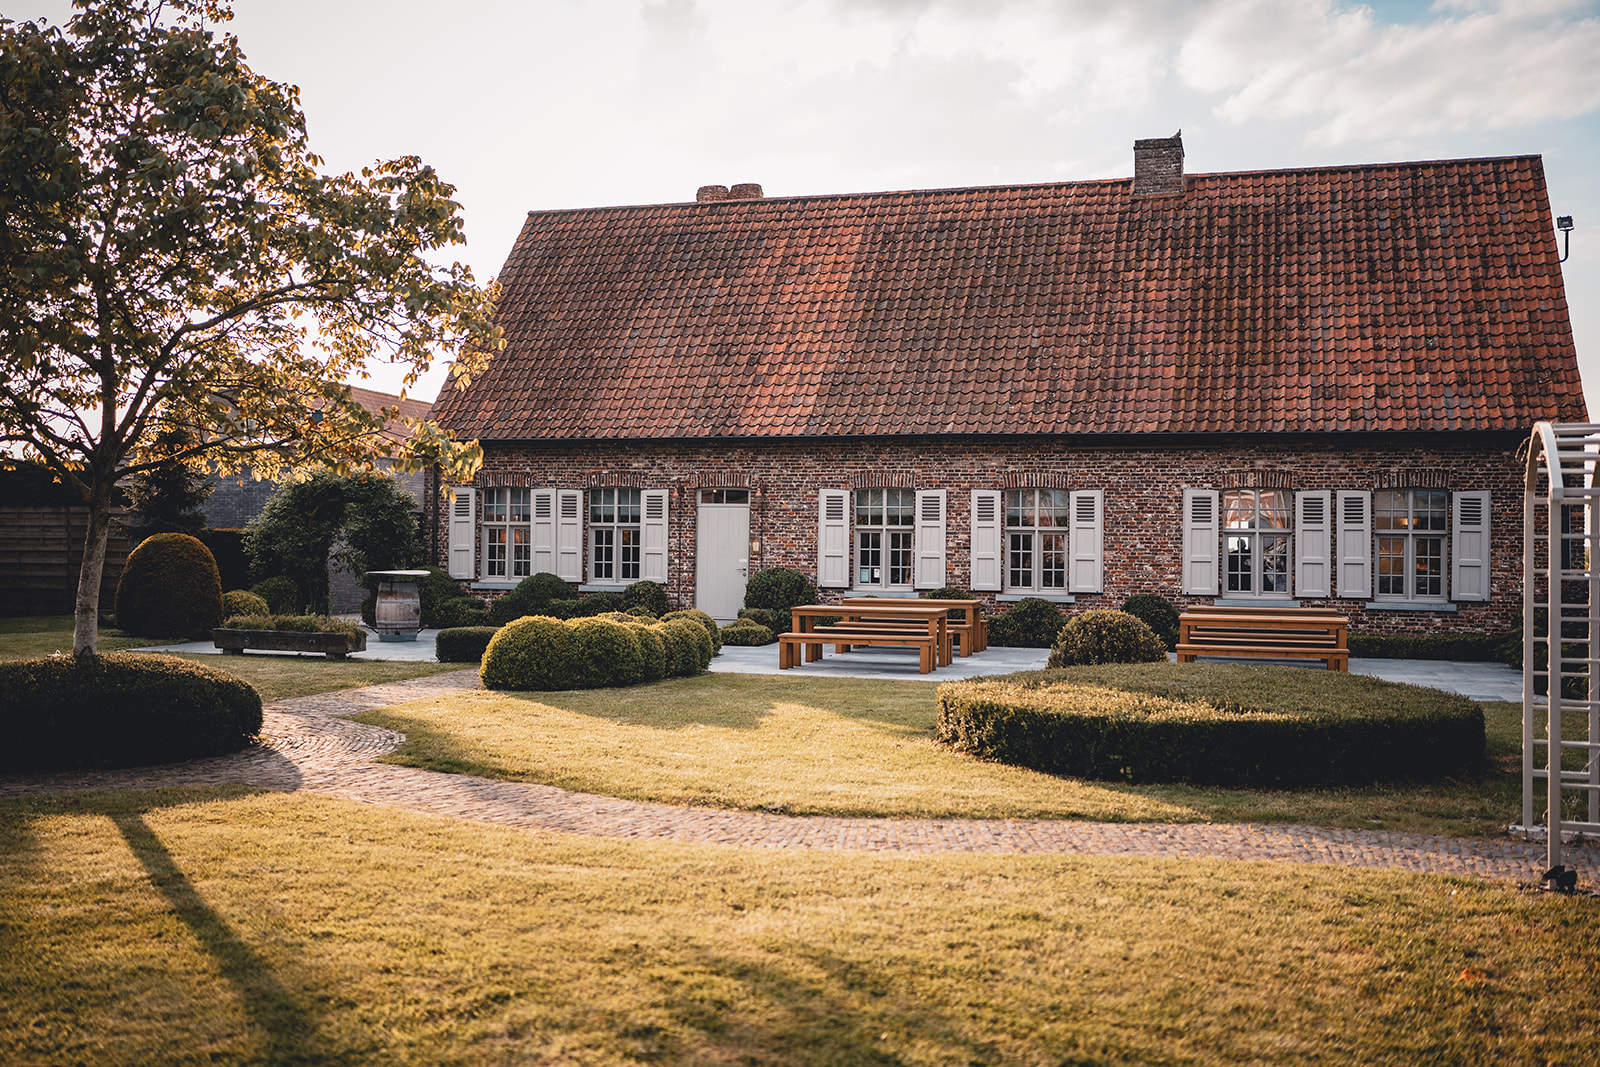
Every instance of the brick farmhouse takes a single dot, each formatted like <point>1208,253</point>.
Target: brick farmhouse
<point>1296,386</point>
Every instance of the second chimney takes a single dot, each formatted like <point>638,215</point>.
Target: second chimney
<point>1158,166</point>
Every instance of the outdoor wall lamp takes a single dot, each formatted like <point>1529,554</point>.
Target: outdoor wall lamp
<point>1564,224</point>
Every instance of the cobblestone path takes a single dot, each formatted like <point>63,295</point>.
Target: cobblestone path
<point>306,744</point>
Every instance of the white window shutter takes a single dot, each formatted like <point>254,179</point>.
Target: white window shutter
<point>985,574</point>
<point>654,535</point>
<point>930,539</point>
<point>1200,532</point>
<point>1355,544</point>
<point>833,538</point>
<point>1313,534</point>
<point>463,539</point>
<point>1469,545</point>
<point>544,531</point>
<point>569,534</point>
<point>1088,539</point>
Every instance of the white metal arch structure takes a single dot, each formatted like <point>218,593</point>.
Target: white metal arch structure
<point>1561,630</point>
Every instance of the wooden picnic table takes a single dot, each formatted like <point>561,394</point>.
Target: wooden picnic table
<point>867,625</point>
<point>1283,633</point>
<point>971,631</point>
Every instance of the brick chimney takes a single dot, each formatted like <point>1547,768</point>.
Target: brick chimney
<point>1158,166</point>
<point>707,194</point>
<point>745,191</point>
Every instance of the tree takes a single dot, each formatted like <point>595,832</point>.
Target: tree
<point>366,515</point>
<point>171,258</point>
<point>167,497</point>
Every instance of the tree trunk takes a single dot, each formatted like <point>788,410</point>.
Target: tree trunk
<point>86,613</point>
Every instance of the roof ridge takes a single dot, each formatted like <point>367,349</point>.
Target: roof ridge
<point>1022,186</point>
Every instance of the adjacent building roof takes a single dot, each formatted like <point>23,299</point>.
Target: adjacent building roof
<point>1401,297</point>
<point>375,402</point>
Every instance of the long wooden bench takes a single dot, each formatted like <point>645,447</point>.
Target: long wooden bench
<point>793,647</point>
<point>970,631</point>
<point>868,633</point>
<point>1280,633</point>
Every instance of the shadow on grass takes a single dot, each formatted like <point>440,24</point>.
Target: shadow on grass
<point>283,1023</point>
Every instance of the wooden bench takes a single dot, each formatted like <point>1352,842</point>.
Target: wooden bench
<point>1281,633</point>
<point>970,631</point>
<point>797,648</point>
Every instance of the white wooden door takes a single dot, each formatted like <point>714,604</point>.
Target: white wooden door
<point>722,559</point>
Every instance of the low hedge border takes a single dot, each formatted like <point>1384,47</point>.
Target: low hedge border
<point>537,652</point>
<point>1467,648</point>
<point>122,709</point>
<point>463,644</point>
<point>1213,724</point>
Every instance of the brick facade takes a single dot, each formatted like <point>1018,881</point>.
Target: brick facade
<point>1143,480</point>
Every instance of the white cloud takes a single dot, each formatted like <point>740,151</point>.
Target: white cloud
<point>1471,65</point>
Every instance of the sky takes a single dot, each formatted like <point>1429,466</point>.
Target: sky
<point>536,104</point>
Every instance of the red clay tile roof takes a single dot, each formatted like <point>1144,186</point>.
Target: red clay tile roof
<point>1412,296</point>
<point>375,401</point>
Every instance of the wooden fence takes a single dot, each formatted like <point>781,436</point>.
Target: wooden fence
<point>41,549</point>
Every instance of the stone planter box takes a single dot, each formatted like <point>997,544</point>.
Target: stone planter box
<point>332,645</point>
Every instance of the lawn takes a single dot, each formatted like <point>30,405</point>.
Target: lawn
<point>274,677</point>
<point>860,747</point>
<point>207,927</point>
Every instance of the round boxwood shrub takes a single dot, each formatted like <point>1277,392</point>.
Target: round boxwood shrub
<point>533,652</point>
<point>463,612</point>
<point>597,604</point>
<point>1030,623</point>
<point>532,596</point>
<point>762,617</point>
<point>704,621</point>
<point>746,632</point>
<point>243,602</point>
<point>170,586</point>
<point>652,650</point>
<point>694,649</point>
<point>1213,724</point>
<point>607,653</point>
<point>1106,637</point>
<point>463,644</point>
<point>639,611</point>
<point>651,596</point>
<point>122,709</point>
<point>778,589</point>
<point>1157,613</point>
<point>281,594</point>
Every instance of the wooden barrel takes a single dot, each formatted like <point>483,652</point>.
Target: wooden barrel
<point>398,614</point>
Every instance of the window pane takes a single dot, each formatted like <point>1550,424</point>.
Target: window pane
<point>900,557</point>
<point>1240,569</point>
<point>870,558</point>
<point>602,505</point>
<point>494,552</point>
<point>1020,561</point>
<point>1429,566</point>
<point>604,553</point>
<point>1274,509</point>
<point>900,508</point>
<point>628,505</point>
<point>1054,507</point>
<point>494,505</point>
<point>1430,510</point>
<point>1052,561</point>
<point>1389,511</point>
<point>1019,507</point>
<point>1238,509</point>
<point>1392,566</point>
<point>521,504</point>
<point>1274,564</point>
<point>629,563</point>
<point>521,553</point>
<point>869,507</point>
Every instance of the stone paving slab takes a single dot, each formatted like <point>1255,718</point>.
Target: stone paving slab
<point>308,745</point>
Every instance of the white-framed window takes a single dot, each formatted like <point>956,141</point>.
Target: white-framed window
<point>1037,539</point>
<point>1411,528</point>
<point>616,535</point>
<point>885,525</point>
<point>1256,525</point>
<point>507,533</point>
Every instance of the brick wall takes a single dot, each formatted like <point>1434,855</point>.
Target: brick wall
<point>1143,486</point>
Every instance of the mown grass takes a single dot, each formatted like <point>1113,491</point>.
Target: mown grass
<point>187,928</point>
<point>274,677</point>
<point>861,747</point>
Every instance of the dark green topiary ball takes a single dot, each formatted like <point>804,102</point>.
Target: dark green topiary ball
<point>1102,636</point>
<point>778,589</point>
<point>533,652</point>
<point>746,632</point>
<point>649,595</point>
<point>170,587</point>
<point>1029,623</point>
<point>704,621</point>
<point>243,602</point>
<point>692,645</point>
<point>608,653</point>
<point>1157,613</point>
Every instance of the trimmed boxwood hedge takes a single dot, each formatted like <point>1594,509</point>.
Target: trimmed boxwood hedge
<point>122,709</point>
<point>243,602</point>
<point>463,644</point>
<point>537,652</point>
<point>1213,724</point>
<point>1102,636</point>
<point>746,632</point>
<point>1469,648</point>
<point>170,586</point>
<point>706,622</point>
<point>1029,623</point>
